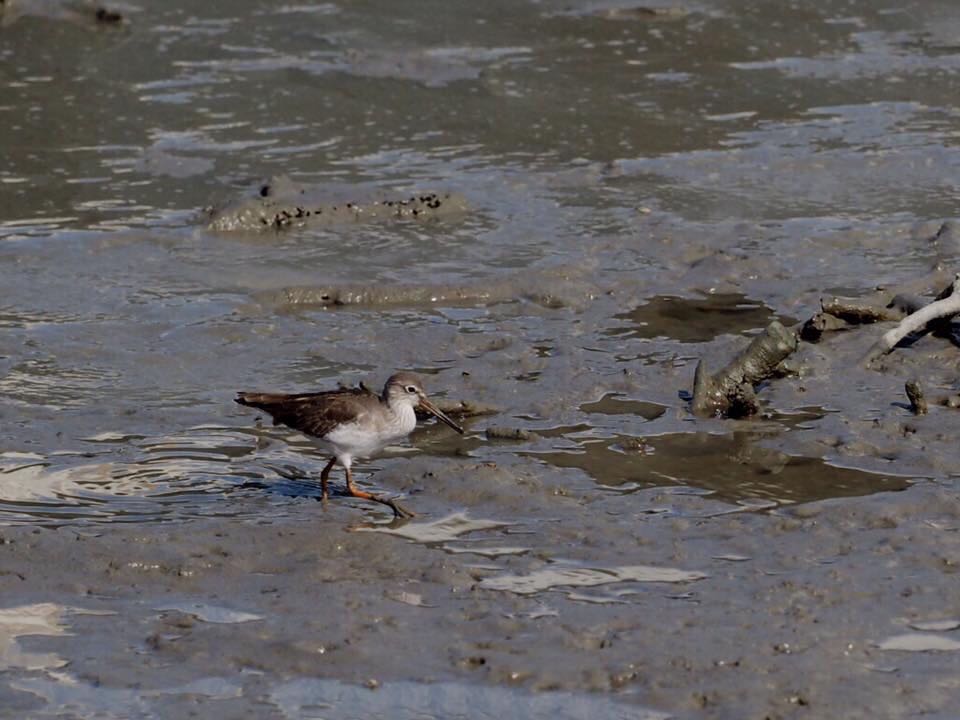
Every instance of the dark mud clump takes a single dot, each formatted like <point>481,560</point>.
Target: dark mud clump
<point>83,13</point>
<point>552,288</point>
<point>282,203</point>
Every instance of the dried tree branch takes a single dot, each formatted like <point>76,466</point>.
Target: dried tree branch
<point>917,322</point>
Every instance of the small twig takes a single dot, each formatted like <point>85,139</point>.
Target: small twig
<point>918,321</point>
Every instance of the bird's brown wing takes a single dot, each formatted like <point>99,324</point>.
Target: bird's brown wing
<point>311,413</point>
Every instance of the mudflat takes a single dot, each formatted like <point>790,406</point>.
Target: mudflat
<point>606,197</point>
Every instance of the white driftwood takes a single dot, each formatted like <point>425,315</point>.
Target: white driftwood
<point>917,322</point>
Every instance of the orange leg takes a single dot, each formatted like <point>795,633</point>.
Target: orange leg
<point>398,509</point>
<point>324,476</point>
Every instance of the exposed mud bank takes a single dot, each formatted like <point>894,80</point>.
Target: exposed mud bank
<point>666,602</point>
<point>590,548</point>
<point>281,203</point>
<point>84,13</point>
<point>550,288</point>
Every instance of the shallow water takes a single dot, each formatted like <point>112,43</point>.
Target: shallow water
<point>695,174</point>
<point>124,317</point>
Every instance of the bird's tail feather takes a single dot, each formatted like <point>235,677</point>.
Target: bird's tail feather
<point>259,400</point>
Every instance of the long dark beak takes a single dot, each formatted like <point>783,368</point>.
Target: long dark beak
<point>435,411</point>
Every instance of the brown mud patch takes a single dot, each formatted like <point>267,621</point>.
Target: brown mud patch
<point>695,319</point>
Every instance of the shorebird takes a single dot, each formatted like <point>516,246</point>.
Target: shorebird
<point>352,422</point>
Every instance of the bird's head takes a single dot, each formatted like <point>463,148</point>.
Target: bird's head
<point>405,388</point>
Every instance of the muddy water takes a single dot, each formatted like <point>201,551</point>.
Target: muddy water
<point>639,190</point>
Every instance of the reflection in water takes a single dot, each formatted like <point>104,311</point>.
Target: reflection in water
<point>611,404</point>
<point>44,382</point>
<point>408,598</point>
<point>39,619</point>
<point>176,477</point>
<point>557,576</point>
<point>438,531</point>
<point>63,690</point>
<point>691,320</point>
<point>184,476</point>
<point>309,697</point>
<point>209,613</point>
<point>11,318</point>
<point>826,157</point>
<point>166,478</point>
<point>920,642</point>
<point>936,625</point>
<point>733,466</point>
<point>489,552</point>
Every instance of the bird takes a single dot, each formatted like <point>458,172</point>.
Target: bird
<point>352,422</point>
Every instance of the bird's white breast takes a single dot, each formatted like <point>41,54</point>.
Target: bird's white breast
<point>369,433</point>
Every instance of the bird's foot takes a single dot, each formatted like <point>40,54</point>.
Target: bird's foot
<point>399,510</point>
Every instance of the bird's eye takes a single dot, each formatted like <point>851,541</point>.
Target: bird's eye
<point>412,389</point>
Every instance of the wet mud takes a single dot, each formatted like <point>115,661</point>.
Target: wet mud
<point>82,13</point>
<point>281,203</point>
<point>552,288</point>
<point>637,190</point>
<point>644,602</point>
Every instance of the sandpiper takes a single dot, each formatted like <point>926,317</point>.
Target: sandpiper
<point>352,422</point>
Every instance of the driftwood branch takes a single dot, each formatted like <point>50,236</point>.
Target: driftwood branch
<point>858,311</point>
<point>945,307</point>
<point>839,313</point>
<point>730,392</point>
